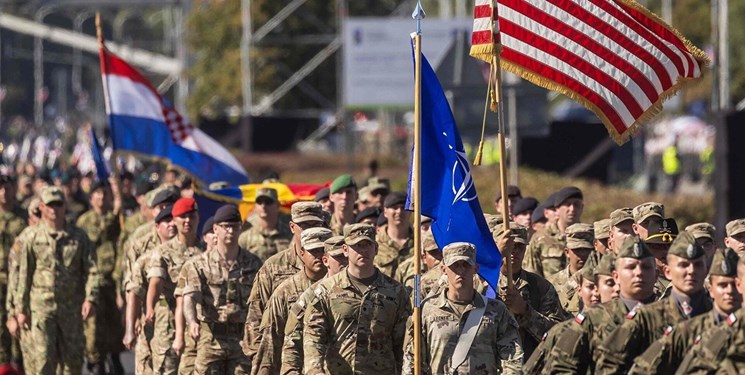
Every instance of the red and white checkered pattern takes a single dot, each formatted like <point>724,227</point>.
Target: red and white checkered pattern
<point>179,127</point>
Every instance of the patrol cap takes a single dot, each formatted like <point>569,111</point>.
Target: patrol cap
<point>621,215</point>
<point>456,251</point>
<point>724,263</point>
<point>370,212</point>
<point>580,236</point>
<point>734,227</point>
<point>663,232</point>
<point>362,193</point>
<point>602,229</point>
<point>394,198</point>
<point>512,191</point>
<point>518,232</point>
<point>207,227</point>
<point>428,242</point>
<point>342,182</point>
<point>314,238</point>
<point>538,215</point>
<point>163,195</point>
<point>226,214</point>
<point>302,212</point>
<point>33,207</point>
<point>266,193</point>
<point>356,233</point>
<point>164,214</point>
<point>633,247</point>
<point>376,184</point>
<point>646,210</point>
<point>606,265</point>
<point>52,194</point>
<point>333,245</point>
<point>492,221</point>
<point>685,246</point>
<point>321,194</point>
<point>184,206</point>
<point>524,204</point>
<point>565,193</point>
<point>701,230</point>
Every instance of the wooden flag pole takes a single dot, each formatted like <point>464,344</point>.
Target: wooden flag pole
<point>418,15</point>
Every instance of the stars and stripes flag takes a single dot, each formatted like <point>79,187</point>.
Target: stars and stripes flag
<point>614,57</point>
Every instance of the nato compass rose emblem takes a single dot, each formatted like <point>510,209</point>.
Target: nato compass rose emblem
<point>466,191</point>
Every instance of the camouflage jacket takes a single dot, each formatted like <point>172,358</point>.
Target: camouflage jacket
<point>269,355</point>
<point>11,225</point>
<point>347,331</point>
<point>390,254</point>
<point>134,247</point>
<point>138,259</point>
<point>662,287</point>
<point>640,329</point>
<point>566,288</point>
<point>221,291</point>
<point>495,349</point>
<point>103,231</point>
<point>536,364</point>
<point>292,349</point>
<point>14,264</point>
<point>166,261</point>
<point>718,349</point>
<point>57,271</point>
<point>545,253</point>
<point>265,243</point>
<point>275,270</point>
<point>544,308</point>
<point>665,354</point>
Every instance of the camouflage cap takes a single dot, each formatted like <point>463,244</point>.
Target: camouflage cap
<point>378,184</point>
<point>314,238</point>
<point>734,227</point>
<point>646,210</point>
<point>425,219</point>
<point>606,265</point>
<point>333,245</point>
<point>302,212</point>
<point>266,192</point>
<point>587,272</point>
<point>702,230</point>
<point>428,242</point>
<point>518,232</point>
<point>580,236</point>
<point>621,215</point>
<point>356,233</point>
<point>663,232</point>
<point>602,229</point>
<point>635,248</point>
<point>724,263</point>
<point>362,194</point>
<point>493,221</point>
<point>685,246</point>
<point>456,251</point>
<point>52,194</point>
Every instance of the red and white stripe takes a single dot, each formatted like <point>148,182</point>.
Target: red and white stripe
<point>483,34</point>
<point>618,61</point>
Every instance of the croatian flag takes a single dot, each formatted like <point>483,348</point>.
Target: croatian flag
<point>144,123</point>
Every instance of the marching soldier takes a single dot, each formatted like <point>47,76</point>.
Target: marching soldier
<point>736,236</point>
<point>448,317</point>
<point>396,238</point>
<point>645,215</point>
<point>621,227</point>
<point>704,234</point>
<point>607,285</point>
<point>579,246</point>
<point>602,232</point>
<point>660,236</point>
<point>267,234</point>
<point>431,258</point>
<point>343,194</point>
<point>218,283</point>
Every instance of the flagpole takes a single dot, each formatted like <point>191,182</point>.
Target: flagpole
<point>418,15</point>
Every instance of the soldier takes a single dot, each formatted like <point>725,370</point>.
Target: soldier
<point>378,189</point>
<point>645,215</point>
<point>134,221</point>
<point>277,268</point>
<point>686,269</point>
<point>513,195</point>
<point>367,216</point>
<point>532,300</point>
<point>292,349</point>
<point>396,238</point>
<point>545,253</point>
<point>431,257</point>
<point>660,236</point>
<point>447,317</point>
<point>735,239</point>
<point>343,194</point>
<point>607,286</point>
<point>267,234</point>
<point>634,273</point>
<point>164,266</point>
<point>57,276</point>
<point>602,232</point>
<point>104,332</point>
<point>268,356</point>
<point>215,298</point>
<point>357,319</point>
<point>322,197</point>
<point>704,235</point>
<point>538,220</point>
<point>523,209</point>
<point>621,227</point>
<point>12,222</point>
<point>579,245</point>
<point>665,354</point>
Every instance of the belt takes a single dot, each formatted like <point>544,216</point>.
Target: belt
<point>224,329</point>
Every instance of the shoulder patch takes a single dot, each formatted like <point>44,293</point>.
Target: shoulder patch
<point>579,318</point>
<point>731,319</point>
<point>668,330</point>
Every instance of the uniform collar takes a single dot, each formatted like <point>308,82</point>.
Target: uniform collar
<point>442,300</point>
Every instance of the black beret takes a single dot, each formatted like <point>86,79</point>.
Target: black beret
<point>382,220</point>
<point>524,204</point>
<point>394,198</point>
<point>566,193</point>
<point>373,212</point>
<point>207,228</point>
<point>512,191</point>
<point>538,215</point>
<point>167,196</point>
<point>164,214</point>
<point>227,214</point>
<point>322,194</point>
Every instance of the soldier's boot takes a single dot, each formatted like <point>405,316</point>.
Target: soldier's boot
<point>116,364</point>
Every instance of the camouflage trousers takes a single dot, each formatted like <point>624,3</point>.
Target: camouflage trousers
<point>165,360</point>
<point>27,346</point>
<point>57,342</point>
<point>104,331</point>
<point>188,357</point>
<point>143,356</point>
<point>219,350</point>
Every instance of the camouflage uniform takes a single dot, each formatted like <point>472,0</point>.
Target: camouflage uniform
<point>292,349</point>
<point>265,243</point>
<point>220,293</point>
<point>537,361</point>
<point>11,225</point>
<point>58,272</point>
<point>165,262</point>
<point>578,236</point>
<point>103,332</point>
<point>189,352</point>
<point>25,342</point>
<point>718,349</point>
<point>545,253</point>
<point>390,254</point>
<point>495,349</point>
<point>336,226</point>
<point>350,331</point>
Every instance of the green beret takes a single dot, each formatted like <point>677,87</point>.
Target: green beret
<point>342,182</point>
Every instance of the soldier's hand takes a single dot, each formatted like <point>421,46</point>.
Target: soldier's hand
<point>506,242</point>
<point>138,327</point>
<point>88,310</point>
<point>178,345</point>
<point>23,321</point>
<point>150,317</point>
<point>12,325</point>
<point>129,339</point>
<point>194,330</point>
<point>515,301</point>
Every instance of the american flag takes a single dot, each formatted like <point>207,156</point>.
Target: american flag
<point>615,57</point>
